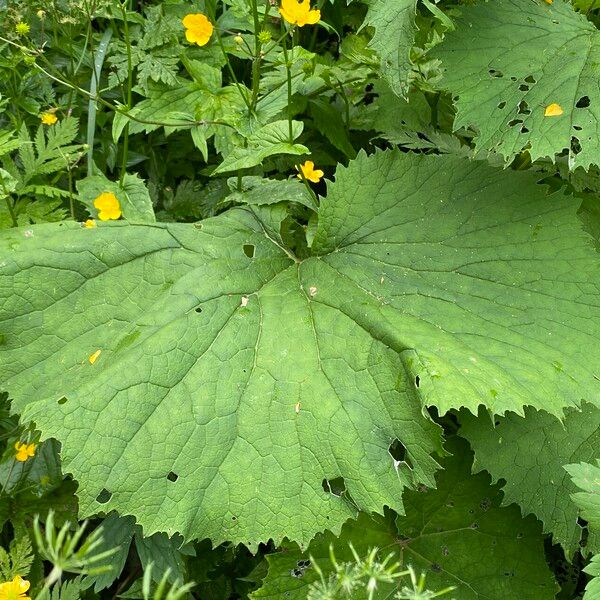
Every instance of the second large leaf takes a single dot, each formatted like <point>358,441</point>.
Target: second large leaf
<point>203,377</point>
<point>510,62</point>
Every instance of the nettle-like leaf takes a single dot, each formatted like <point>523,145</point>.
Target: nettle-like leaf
<point>235,382</point>
<point>457,534</point>
<point>587,478</point>
<point>394,33</point>
<point>510,59</point>
<point>537,481</point>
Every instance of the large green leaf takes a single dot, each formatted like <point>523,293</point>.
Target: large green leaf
<point>510,59</point>
<point>457,534</point>
<point>537,480</point>
<point>234,381</point>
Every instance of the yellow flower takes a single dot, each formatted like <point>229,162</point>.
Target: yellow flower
<point>299,13</point>
<point>48,118</point>
<point>15,589</point>
<point>553,110</point>
<point>108,206</point>
<point>94,357</point>
<point>24,452</point>
<point>22,28</point>
<point>198,29</point>
<point>309,172</point>
<point>90,223</point>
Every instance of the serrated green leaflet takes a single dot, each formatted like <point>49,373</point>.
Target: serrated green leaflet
<point>537,481</point>
<point>592,589</point>
<point>587,478</point>
<point>508,60</point>
<point>234,381</point>
<point>457,534</point>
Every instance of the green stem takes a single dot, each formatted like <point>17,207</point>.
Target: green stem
<point>231,71</point>
<point>129,89</point>
<point>310,190</point>
<point>288,70</point>
<point>257,57</point>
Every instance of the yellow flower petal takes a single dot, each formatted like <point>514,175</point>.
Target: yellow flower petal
<point>108,206</point>
<point>553,110</point>
<point>299,13</point>
<point>90,223</point>
<point>198,29</point>
<point>309,172</point>
<point>94,357</point>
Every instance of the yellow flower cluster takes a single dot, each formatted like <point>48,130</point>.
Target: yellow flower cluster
<point>48,118</point>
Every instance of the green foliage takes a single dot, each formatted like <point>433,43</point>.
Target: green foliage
<point>253,380</point>
<point>537,481</point>
<point>508,60</point>
<point>18,559</point>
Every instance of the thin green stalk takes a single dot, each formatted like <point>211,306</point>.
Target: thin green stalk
<point>288,70</point>
<point>231,71</point>
<point>129,88</point>
<point>256,60</point>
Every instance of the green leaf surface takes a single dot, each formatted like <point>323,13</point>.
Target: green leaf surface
<point>163,553</point>
<point>587,477</point>
<point>394,24</point>
<point>257,191</point>
<point>272,139</point>
<point>291,571</point>
<point>461,536</point>
<point>234,381</point>
<point>117,532</point>
<point>135,201</point>
<point>510,59</point>
<point>457,534</point>
<point>592,589</point>
<point>537,481</point>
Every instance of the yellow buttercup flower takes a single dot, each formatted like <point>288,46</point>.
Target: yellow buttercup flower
<point>15,589</point>
<point>553,110</point>
<point>24,452</point>
<point>22,28</point>
<point>108,206</point>
<point>48,118</point>
<point>90,223</point>
<point>198,29</point>
<point>299,12</point>
<point>309,172</point>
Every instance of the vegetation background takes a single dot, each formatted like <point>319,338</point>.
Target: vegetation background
<point>437,121</point>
